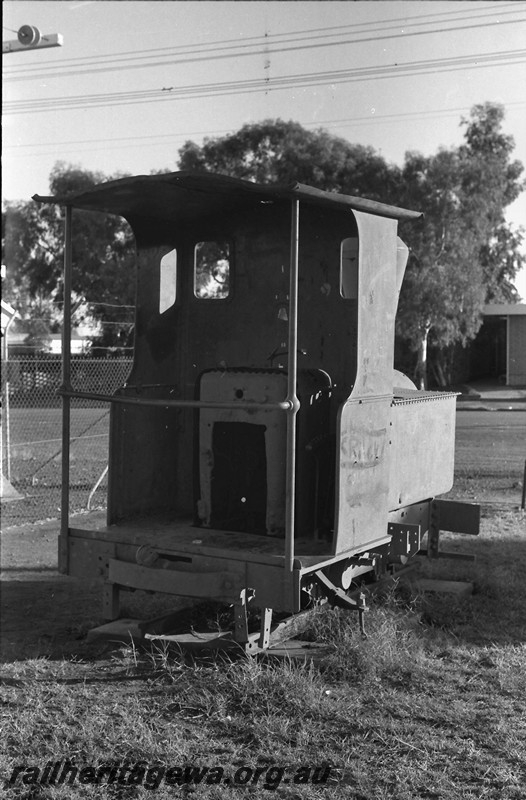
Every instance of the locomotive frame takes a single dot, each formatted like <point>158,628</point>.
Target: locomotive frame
<point>263,451</point>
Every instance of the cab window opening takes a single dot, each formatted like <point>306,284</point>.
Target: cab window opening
<point>212,279</point>
<point>349,268</point>
<point>167,281</point>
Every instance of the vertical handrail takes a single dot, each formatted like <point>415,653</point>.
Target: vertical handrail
<point>292,382</point>
<point>66,385</point>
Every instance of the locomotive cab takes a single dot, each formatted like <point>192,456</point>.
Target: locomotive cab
<point>263,448</point>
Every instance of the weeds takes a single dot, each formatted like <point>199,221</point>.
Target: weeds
<point>510,664</point>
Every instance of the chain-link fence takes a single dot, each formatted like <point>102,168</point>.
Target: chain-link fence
<point>32,431</point>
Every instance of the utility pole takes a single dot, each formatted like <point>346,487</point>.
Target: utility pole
<point>30,38</point>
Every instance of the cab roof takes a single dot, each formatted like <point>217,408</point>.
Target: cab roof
<point>188,195</point>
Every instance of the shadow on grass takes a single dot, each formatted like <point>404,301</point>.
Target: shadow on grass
<point>50,616</point>
<point>46,617</point>
<point>495,612</point>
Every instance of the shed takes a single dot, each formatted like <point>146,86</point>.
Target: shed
<point>510,320</point>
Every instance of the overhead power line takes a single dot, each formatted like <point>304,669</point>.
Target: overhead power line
<point>406,69</point>
<point>253,46</point>
<point>207,55</point>
<point>120,142</point>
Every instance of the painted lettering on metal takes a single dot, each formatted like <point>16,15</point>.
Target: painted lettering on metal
<point>363,449</point>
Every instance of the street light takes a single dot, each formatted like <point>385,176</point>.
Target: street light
<point>30,38</point>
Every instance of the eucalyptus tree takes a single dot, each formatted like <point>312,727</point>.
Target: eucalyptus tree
<point>102,256</point>
<point>464,253</point>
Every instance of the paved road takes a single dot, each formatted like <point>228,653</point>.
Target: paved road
<point>498,433</point>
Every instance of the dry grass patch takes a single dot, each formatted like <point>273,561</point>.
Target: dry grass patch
<point>431,705</point>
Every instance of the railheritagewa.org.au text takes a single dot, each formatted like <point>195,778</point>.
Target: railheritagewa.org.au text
<point>152,776</point>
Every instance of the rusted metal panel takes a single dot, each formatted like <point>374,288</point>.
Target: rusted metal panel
<point>63,552</point>
<point>422,447</point>
<point>416,514</point>
<point>222,580</point>
<point>110,601</point>
<point>88,558</point>
<point>405,541</point>
<point>363,474</point>
<point>242,449</point>
<point>180,537</point>
<point>224,586</point>
<point>362,479</point>
<point>190,194</point>
<point>274,587</point>
<point>151,449</point>
<point>458,517</point>
<point>142,468</point>
<point>236,386</point>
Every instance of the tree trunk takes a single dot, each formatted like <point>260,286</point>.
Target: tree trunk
<point>438,372</point>
<point>421,364</point>
<point>442,379</point>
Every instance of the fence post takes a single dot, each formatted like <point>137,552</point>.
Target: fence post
<point>1,449</point>
<point>7,430</point>
<point>66,401</point>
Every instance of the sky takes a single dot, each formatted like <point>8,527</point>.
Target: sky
<point>134,80</point>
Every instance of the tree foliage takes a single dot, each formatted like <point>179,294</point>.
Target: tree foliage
<point>464,254</point>
<point>102,256</point>
<point>274,151</point>
<point>492,182</point>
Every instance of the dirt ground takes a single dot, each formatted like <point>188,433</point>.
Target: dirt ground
<point>42,611</point>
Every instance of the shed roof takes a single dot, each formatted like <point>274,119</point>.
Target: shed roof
<point>186,195</point>
<point>504,309</point>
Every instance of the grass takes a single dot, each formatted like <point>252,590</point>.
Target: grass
<point>489,456</point>
<point>35,463</point>
<point>431,705</point>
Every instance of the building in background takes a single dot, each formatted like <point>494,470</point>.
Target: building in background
<point>499,350</point>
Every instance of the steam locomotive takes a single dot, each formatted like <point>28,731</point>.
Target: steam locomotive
<point>264,453</point>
